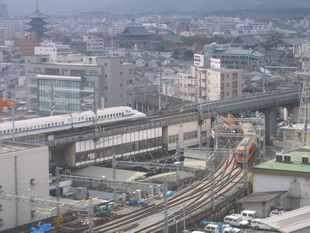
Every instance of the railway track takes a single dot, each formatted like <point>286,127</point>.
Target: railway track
<point>195,197</point>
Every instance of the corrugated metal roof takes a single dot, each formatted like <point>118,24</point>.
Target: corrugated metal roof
<point>292,221</point>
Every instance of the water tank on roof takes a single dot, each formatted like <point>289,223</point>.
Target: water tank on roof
<point>287,158</point>
<point>279,157</point>
<point>305,159</point>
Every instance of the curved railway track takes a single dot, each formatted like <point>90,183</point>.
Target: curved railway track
<point>195,196</point>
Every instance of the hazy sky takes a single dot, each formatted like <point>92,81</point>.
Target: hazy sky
<point>25,7</point>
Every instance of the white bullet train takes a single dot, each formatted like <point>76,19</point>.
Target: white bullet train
<point>49,124</point>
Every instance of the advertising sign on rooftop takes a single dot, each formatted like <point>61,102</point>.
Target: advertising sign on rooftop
<point>215,63</point>
<point>198,60</point>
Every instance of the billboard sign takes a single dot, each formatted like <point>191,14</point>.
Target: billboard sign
<point>215,63</point>
<point>199,60</point>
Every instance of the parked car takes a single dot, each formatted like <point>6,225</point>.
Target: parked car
<point>235,221</point>
<point>276,213</point>
<point>258,225</point>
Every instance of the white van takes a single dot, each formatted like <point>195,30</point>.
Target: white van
<point>69,195</point>
<point>235,221</point>
<point>249,215</point>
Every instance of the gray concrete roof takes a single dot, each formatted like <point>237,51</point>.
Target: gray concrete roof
<point>292,221</point>
<point>260,197</point>
<point>98,172</point>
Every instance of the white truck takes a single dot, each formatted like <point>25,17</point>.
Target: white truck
<point>247,215</point>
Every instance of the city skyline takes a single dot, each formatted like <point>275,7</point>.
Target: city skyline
<point>16,7</point>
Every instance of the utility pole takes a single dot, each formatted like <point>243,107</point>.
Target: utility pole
<point>184,217</point>
<point>58,190</point>
<point>166,228</point>
<point>212,183</point>
<point>160,89</point>
<point>52,99</point>
<point>13,116</point>
<point>114,175</point>
<point>178,165</point>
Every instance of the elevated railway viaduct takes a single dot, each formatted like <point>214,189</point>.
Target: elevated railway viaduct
<point>161,132</point>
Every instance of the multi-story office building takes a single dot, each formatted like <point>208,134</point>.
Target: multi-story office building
<point>93,44</point>
<point>109,77</point>
<point>52,49</point>
<point>205,84</point>
<point>63,94</point>
<point>232,58</point>
<point>9,28</point>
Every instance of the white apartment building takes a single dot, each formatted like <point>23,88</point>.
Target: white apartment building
<point>93,43</point>
<point>24,171</point>
<point>54,50</point>
<point>205,84</point>
<point>9,28</point>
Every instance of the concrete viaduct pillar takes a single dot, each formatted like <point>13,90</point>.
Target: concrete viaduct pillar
<point>270,124</point>
<point>287,110</point>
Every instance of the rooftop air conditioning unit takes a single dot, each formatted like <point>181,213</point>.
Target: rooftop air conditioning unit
<point>279,157</point>
<point>287,158</point>
<point>305,159</point>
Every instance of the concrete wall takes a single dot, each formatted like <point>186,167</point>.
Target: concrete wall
<point>16,170</point>
<point>297,187</point>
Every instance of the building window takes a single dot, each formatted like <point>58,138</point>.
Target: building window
<point>37,70</point>
<point>77,72</point>
<point>106,76</point>
<point>222,77</point>
<point>227,75</point>
<point>234,93</point>
<point>227,84</point>
<point>121,84</point>
<point>105,64</point>
<point>50,71</point>
<point>235,84</point>
<point>93,72</point>
<point>105,87</point>
<point>121,73</point>
<point>234,76</point>
<point>227,93</point>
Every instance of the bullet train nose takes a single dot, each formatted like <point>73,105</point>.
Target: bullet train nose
<point>140,115</point>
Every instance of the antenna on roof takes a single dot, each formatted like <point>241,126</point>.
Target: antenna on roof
<point>37,5</point>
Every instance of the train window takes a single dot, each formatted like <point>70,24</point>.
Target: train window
<point>19,129</point>
<point>105,116</point>
<point>27,128</point>
<point>63,123</point>
<point>82,118</point>
<point>0,131</point>
<point>48,124</point>
<point>122,114</point>
<point>42,126</point>
<point>4,131</point>
<point>15,130</point>
<point>30,127</point>
<point>23,128</point>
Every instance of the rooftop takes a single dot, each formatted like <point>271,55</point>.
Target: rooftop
<point>98,172</point>
<point>243,52</point>
<point>260,197</point>
<point>292,221</point>
<point>10,146</point>
<point>295,166</point>
<point>284,31</point>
